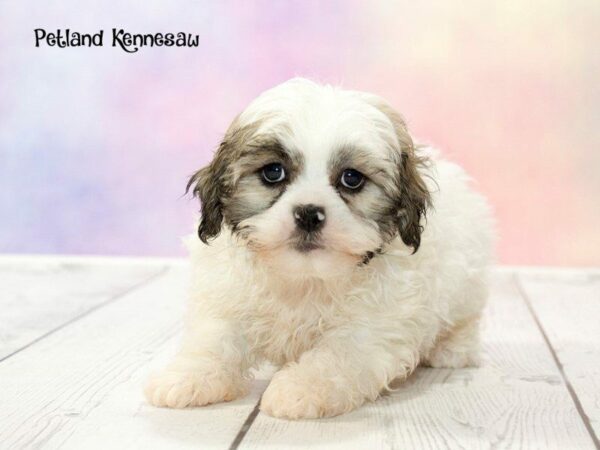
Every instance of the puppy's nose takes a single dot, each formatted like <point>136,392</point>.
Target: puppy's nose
<point>309,217</point>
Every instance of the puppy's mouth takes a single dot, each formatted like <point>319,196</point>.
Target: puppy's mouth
<point>306,242</point>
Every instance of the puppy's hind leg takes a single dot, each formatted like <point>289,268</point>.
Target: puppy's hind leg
<point>458,347</point>
<point>458,344</point>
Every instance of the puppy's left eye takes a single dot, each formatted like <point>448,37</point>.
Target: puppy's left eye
<point>352,179</point>
<point>273,173</point>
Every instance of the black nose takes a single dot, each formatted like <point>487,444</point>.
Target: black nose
<point>309,217</point>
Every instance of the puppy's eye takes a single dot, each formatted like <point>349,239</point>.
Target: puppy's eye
<point>273,173</point>
<point>352,179</point>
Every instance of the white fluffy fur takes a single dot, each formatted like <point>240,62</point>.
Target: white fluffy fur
<point>340,333</point>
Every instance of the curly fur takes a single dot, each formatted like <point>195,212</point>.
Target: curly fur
<point>386,290</point>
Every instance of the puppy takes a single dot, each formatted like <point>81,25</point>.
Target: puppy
<point>332,246</point>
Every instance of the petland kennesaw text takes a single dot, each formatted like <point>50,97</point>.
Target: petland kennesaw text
<point>129,42</point>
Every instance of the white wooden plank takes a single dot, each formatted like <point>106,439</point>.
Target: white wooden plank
<point>38,295</point>
<point>568,308</point>
<point>81,387</point>
<point>516,399</point>
<point>124,420</point>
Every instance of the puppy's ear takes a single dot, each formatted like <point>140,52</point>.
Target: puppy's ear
<point>211,186</point>
<point>208,188</point>
<point>414,197</point>
<point>214,184</point>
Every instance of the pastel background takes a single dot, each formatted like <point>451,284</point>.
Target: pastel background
<point>96,144</point>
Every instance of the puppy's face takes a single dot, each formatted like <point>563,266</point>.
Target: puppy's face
<point>314,180</point>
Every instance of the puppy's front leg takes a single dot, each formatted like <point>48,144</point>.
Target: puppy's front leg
<point>336,376</point>
<point>210,367</point>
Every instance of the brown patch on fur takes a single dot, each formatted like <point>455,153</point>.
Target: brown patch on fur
<point>240,156</point>
<point>414,198</point>
<point>215,182</point>
<point>355,158</point>
<point>405,197</point>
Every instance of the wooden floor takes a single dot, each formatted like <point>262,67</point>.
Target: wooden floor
<point>79,336</point>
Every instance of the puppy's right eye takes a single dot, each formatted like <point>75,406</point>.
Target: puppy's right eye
<point>273,173</point>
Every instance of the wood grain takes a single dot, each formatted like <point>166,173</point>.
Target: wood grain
<point>567,306</point>
<point>41,295</point>
<point>81,387</point>
<point>516,399</point>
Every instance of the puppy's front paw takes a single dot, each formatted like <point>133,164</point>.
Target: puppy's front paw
<point>176,389</point>
<point>460,349</point>
<point>443,358</point>
<point>292,397</point>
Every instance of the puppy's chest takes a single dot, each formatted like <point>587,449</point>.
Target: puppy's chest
<point>281,333</point>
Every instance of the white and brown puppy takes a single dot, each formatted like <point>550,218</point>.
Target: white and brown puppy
<point>333,247</point>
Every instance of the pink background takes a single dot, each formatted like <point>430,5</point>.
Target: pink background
<point>96,144</point>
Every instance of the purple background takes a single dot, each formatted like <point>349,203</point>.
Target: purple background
<point>96,144</point>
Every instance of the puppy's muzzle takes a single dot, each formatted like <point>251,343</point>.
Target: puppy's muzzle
<point>309,218</point>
